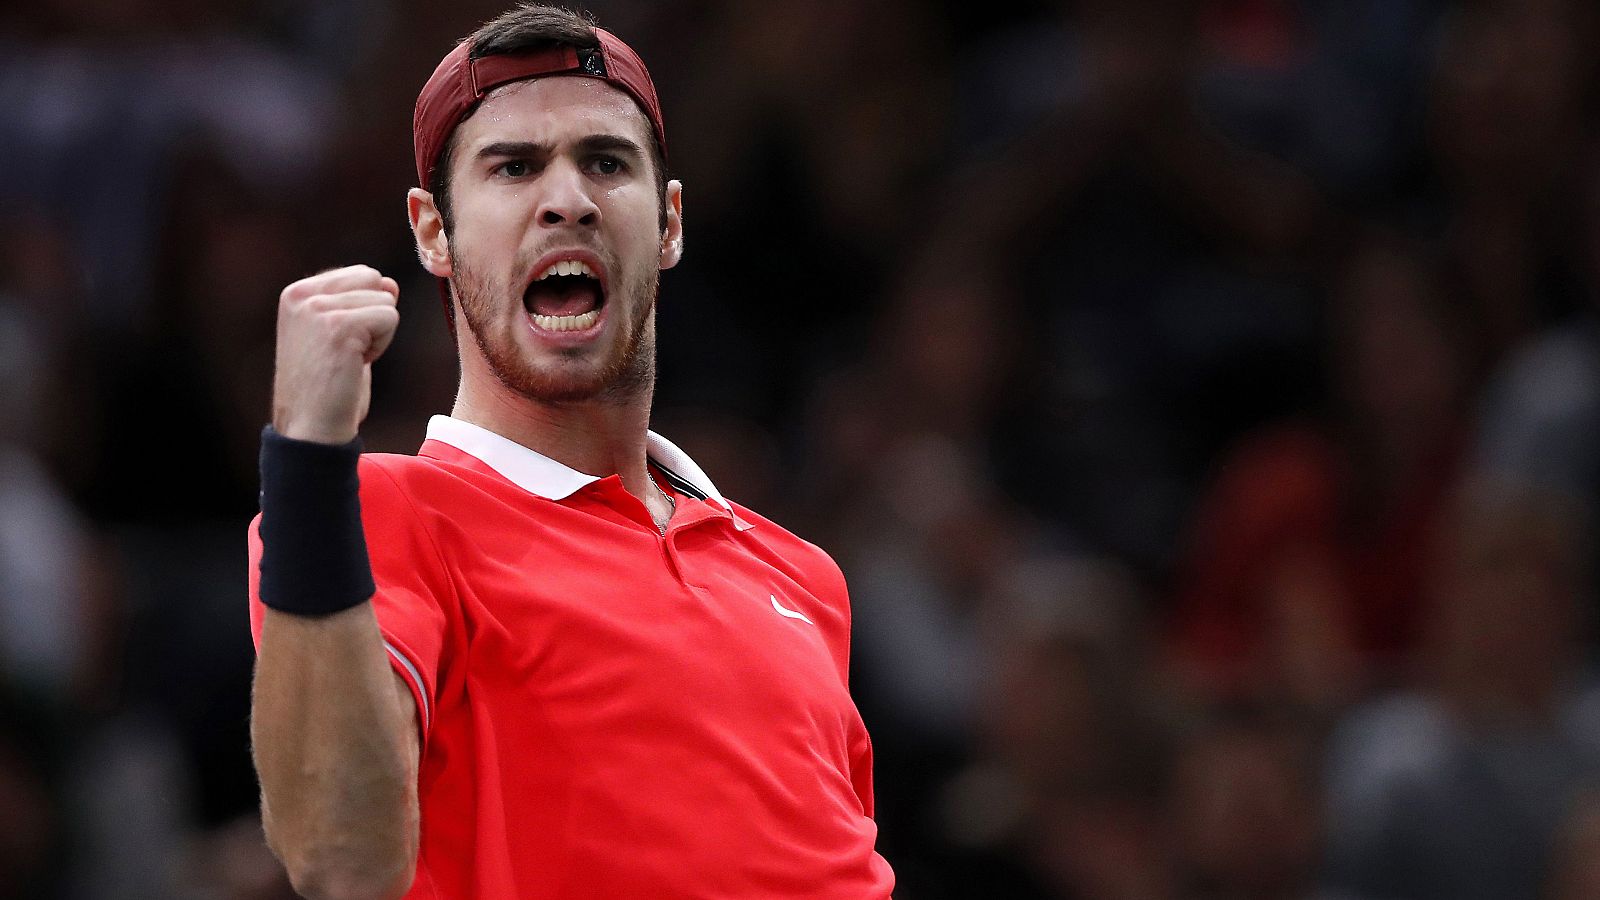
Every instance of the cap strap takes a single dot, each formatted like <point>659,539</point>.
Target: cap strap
<point>489,72</point>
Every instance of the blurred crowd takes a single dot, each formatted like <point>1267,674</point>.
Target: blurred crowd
<point>1201,396</point>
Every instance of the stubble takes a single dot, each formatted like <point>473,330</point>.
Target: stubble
<point>625,374</point>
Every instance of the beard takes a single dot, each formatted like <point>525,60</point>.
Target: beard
<point>624,371</point>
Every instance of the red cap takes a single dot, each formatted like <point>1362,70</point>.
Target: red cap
<point>460,82</point>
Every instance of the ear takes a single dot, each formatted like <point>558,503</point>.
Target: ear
<point>672,235</point>
<point>427,227</point>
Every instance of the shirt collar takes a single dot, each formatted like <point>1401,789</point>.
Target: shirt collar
<point>539,474</point>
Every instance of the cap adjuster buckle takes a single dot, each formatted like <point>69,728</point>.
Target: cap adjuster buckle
<point>592,62</point>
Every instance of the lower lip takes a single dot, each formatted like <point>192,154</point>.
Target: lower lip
<point>567,338</point>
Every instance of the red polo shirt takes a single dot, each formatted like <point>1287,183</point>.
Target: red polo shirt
<point>607,711</point>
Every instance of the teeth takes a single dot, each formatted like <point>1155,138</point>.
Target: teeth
<point>566,267</point>
<point>579,322</point>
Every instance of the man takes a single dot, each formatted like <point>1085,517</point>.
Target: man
<point>543,657</point>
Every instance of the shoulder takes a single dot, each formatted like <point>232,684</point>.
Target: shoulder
<point>422,480</point>
<point>805,562</point>
<point>391,485</point>
<point>812,570</point>
<point>397,471</point>
<point>786,543</point>
<point>406,497</point>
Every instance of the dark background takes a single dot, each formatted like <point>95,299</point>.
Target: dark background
<point>1202,397</point>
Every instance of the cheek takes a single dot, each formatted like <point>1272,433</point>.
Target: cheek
<point>485,234</point>
<point>634,213</point>
<point>492,216</point>
<point>484,249</point>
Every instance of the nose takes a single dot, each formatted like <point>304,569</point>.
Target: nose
<point>565,198</point>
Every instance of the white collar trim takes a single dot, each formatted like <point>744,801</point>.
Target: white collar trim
<point>539,474</point>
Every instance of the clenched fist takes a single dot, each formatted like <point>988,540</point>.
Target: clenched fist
<point>331,327</point>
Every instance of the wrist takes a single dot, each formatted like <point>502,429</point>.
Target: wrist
<point>311,431</point>
<point>314,552</point>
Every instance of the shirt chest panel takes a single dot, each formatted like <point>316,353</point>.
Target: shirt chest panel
<point>595,629</point>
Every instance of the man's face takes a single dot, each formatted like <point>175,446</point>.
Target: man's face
<point>558,243</point>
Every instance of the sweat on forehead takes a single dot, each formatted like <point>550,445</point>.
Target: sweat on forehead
<point>547,118</point>
<point>525,110</point>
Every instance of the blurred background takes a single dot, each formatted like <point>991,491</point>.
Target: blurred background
<point>1201,396</point>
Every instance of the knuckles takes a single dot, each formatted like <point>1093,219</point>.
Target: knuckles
<point>348,278</point>
<point>348,311</point>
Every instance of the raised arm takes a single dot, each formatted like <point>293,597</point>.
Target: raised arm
<point>333,728</point>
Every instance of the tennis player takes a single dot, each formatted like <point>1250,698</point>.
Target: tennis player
<point>543,657</point>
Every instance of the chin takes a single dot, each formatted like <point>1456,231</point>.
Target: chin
<point>555,387</point>
<point>618,372</point>
<point>617,365</point>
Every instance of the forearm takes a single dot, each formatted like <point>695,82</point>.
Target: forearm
<point>335,748</point>
<point>332,728</point>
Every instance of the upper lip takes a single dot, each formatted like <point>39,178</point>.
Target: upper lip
<point>587,257</point>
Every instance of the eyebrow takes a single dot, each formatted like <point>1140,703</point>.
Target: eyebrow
<point>594,143</point>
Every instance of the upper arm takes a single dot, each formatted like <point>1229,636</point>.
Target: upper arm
<point>414,596</point>
<point>415,601</point>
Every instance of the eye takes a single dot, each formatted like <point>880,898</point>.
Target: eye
<point>515,168</point>
<point>606,165</point>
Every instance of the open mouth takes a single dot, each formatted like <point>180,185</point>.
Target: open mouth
<point>566,296</point>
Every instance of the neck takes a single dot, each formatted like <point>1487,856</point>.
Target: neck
<point>597,437</point>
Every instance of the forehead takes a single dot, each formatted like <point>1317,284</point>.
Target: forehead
<point>553,109</point>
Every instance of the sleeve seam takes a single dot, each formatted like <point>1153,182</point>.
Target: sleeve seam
<point>413,676</point>
<point>433,543</point>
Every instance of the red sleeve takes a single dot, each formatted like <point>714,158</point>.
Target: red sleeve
<point>861,771</point>
<point>829,586</point>
<point>414,596</point>
<point>829,582</point>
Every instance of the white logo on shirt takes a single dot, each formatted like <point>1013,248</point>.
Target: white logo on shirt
<point>789,613</point>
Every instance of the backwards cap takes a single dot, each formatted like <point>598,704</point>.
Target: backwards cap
<point>460,82</point>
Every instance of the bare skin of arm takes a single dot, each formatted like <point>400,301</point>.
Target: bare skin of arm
<point>333,729</point>
<point>335,743</point>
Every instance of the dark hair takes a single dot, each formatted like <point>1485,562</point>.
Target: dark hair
<point>525,27</point>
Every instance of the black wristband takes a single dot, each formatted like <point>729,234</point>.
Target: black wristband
<point>313,551</point>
